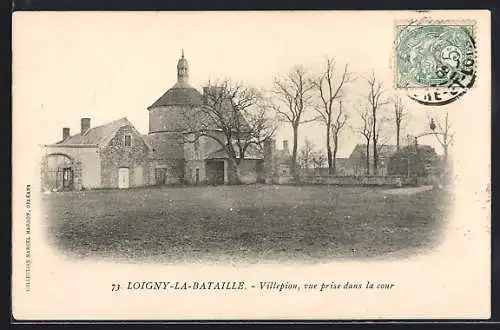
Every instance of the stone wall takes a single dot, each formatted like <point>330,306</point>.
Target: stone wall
<point>49,173</point>
<point>169,118</point>
<point>167,145</point>
<point>371,180</point>
<point>285,179</point>
<point>190,174</point>
<point>89,167</point>
<point>116,155</point>
<point>271,167</point>
<point>249,171</point>
<point>168,154</point>
<point>169,171</point>
<point>206,146</point>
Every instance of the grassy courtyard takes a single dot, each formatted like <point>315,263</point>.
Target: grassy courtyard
<point>255,222</point>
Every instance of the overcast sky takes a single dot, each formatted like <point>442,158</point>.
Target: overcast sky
<point>110,65</point>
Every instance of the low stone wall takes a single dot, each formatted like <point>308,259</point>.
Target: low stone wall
<point>285,179</point>
<point>367,180</point>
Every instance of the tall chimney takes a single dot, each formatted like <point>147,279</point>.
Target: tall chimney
<point>65,133</point>
<point>85,125</point>
<point>285,146</point>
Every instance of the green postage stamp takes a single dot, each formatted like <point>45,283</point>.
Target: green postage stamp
<point>435,61</point>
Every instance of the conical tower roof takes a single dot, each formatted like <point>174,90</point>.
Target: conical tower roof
<point>182,93</point>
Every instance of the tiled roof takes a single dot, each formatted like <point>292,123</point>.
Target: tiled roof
<point>96,135</point>
<point>283,157</point>
<point>180,94</point>
<point>384,151</point>
<point>341,161</point>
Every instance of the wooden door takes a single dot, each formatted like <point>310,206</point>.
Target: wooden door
<point>123,178</point>
<point>219,172</point>
<point>138,176</point>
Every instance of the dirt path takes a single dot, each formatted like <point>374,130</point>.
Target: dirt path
<point>406,191</point>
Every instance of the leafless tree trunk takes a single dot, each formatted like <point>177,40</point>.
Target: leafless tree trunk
<point>306,154</point>
<point>318,158</point>
<point>399,116</point>
<point>294,92</point>
<point>375,101</point>
<point>337,126</point>
<point>444,141</point>
<point>233,116</point>
<point>365,130</point>
<point>329,90</point>
<point>447,136</point>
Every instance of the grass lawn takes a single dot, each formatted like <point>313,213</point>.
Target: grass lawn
<point>254,222</point>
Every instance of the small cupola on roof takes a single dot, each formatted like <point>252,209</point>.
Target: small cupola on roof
<point>182,71</point>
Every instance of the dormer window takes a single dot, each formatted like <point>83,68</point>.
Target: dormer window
<point>128,140</point>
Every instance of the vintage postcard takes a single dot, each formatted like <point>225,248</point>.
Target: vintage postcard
<point>251,165</point>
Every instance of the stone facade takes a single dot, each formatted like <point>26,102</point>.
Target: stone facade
<point>94,158</point>
<point>168,155</point>
<point>116,154</point>
<point>58,171</point>
<point>169,118</point>
<point>83,162</point>
<point>277,163</point>
<point>169,171</point>
<point>200,167</point>
<point>196,172</point>
<point>182,158</point>
<point>364,180</point>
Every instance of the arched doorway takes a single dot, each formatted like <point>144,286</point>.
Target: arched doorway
<point>58,173</point>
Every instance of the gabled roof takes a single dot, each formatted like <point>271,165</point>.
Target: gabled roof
<point>180,94</point>
<point>99,135</point>
<point>341,161</point>
<point>384,151</point>
<point>283,157</point>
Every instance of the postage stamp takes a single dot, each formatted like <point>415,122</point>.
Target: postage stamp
<point>435,60</point>
<point>254,172</point>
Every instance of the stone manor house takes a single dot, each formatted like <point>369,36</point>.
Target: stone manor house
<point>116,155</point>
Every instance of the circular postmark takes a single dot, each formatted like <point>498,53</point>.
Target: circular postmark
<point>436,64</point>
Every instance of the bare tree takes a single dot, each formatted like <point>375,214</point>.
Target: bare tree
<point>382,141</point>
<point>331,89</point>
<point>294,92</point>
<point>306,154</point>
<point>337,125</point>
<point>318,158</point>
<point>399,117</point>
<point>376,101</point>
<point>365,129</point>
<point>444,136</point>
<point>234,116</point>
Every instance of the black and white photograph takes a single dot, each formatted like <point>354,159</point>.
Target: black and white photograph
<point>251,165</point>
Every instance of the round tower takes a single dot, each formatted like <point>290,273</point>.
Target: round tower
<point>167,121</point>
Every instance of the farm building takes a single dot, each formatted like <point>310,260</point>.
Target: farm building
<point>116,155</point>
<point>113,155</point>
